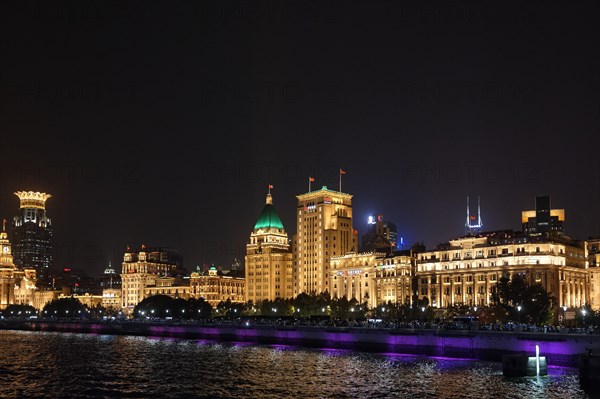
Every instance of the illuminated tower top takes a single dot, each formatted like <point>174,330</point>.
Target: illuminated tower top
<point>268,231</point>
<point>473,223</point>
<point>32,199</point>
<point>32,233</point>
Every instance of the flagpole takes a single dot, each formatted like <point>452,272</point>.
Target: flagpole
<point>340,180</point>
<point>309,184</point>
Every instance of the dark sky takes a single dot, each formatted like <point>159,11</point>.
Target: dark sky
<point>163,122</point>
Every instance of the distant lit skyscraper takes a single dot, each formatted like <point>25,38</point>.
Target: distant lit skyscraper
<point>544,219</point>
<point>381,236</point>
<point>32,233</point>
<point>324,230</point>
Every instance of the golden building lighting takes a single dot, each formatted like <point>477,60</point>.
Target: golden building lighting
<point>215,288</point>
<point>324,229</point>
<point>372,277</point>
<point>17,285</point>
<point>269,269</point>
<point>32,199</point>
<point>464,271</point>
<point>140,273</point>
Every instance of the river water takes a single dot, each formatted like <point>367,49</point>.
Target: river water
<point>57,365</point>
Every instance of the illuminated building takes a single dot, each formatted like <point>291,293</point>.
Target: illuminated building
<point>465,270</point>
<point>43,297</point>
<point>269,272</point>
<point>592,249</point>
<point>169,286</point>
<point>32,233</point>
<point>215,288</point>
<point>111,298</point>
<point>324,230</point>
<point>473,224</point>
<point>110,278</point>
<point>17,285</point>
<point>141,270</point>
<point>381,236</point>
<point>352,275</point>
<point>544,219</point>
<point>393,278</point>
<point>87,299</point>
<point>373,277</point>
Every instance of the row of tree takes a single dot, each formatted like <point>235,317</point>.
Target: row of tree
<point>512,300</point>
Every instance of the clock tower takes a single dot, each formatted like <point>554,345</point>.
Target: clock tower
<point>6,259</point>
<point>8,271</point>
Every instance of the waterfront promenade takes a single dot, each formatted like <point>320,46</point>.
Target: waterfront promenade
<point>561,349</point>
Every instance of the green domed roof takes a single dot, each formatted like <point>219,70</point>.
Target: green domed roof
<point>268,219</point>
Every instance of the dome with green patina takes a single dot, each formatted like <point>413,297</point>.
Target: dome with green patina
<point>268,217</point>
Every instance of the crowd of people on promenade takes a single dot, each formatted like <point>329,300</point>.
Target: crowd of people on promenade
<point>438,325</point>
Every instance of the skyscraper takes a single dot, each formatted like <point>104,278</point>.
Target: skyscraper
<point>543,220</point>
<point>32,233</point>
<point>381,236</point>
<point>324,230</point>
<point>269,272</point>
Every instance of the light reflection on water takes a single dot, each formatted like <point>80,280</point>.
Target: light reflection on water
<point>40,364</point>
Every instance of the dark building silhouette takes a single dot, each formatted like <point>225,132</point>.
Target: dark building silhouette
<point>32,233</point>
<point>381,236</point>
<point>543,220</point>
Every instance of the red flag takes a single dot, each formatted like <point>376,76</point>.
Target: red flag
<point>143,246</point>
<point>472,217</point>
<point>342,172</point>
<point>311,179</point>
<point>270,186</point>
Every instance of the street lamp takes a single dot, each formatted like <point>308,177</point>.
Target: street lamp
<point>583,313</point>
<point>519,312</point>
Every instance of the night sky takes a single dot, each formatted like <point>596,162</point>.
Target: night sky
<point>164,122</point>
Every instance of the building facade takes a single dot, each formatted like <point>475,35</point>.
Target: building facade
<point>352,275</point>
<point>215,288</point>
<point>32,233</point>
<point>269,268</point>
<point>592,249</point>
<point>373,277</point>
<point>324,229</point>
<point>169,286</point>
<point>141,270</point>
<point>393,278</point>
<point>17,285</point>
<point>466,270</point>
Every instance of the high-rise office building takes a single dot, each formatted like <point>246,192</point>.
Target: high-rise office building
<point>324,230</point>
<point>381,236</point>
<point>32,233</point>
<point>269,272</point>
<point>544,219</point>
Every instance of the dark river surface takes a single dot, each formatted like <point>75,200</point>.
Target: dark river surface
<point>62,365</point>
